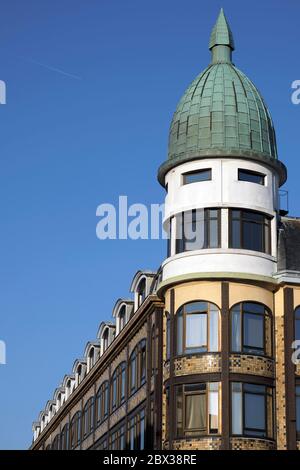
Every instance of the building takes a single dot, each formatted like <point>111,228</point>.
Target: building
<point>201,358</point>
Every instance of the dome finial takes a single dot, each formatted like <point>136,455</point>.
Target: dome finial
<point>221,41</point>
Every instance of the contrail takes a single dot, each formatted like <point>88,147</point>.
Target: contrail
<point>53,69</point>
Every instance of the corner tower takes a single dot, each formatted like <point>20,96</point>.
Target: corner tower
<point>223,172</point>
<point>221,280</point>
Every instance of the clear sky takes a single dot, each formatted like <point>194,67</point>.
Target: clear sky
<point>91,88</point>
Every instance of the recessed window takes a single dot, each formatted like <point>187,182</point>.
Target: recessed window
<point>198,229</point>
<point>197,409</point>
<point>252,410</point>
<point>251,176</point>
<point>249,230</point>
<point>102,398</point>
<point>251,329</point>
<point>137,367</point>
<point>197,328</point>
<point>197,176</point>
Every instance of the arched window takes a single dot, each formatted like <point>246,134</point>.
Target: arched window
<point>197,328</point>
<point>251,329</point>
<point>122,317</point>
<point>137,367</point>
<point>87,417</point>
<point>75,430</point>
<point>102,398</point>
<point>118,386</point>
<point>141,291</point>
<point>55,443</point>
<point>297,324</point>
<point>64,438</point>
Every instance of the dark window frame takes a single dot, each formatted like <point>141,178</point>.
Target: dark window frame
<point>182,313</point>
<point>265,224</point>
<point>248,349</point>
<point>75,430</point>
<point>201,171</point>
<point>118,386</point>
<point>250,432</point>
<point>64,437</point>
<point>297,399</point>
<point>183,392</point>
<point>296,320</point>
<point>134,426</point>
<point>181,241</point>
<point>102,403</point>
<point>242,171</point>
<point>88,418</point>
<point>139,357</point>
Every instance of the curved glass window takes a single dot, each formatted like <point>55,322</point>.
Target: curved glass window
<point>198,229</point>
<point>197,409</point>
<point>251,329</point>
<point>197,328</point>
<point>251,410</point>
<point>249,230</point>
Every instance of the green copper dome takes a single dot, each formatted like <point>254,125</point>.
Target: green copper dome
<point>221,113</point>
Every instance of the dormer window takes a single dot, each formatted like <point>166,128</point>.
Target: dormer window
<point>251,176</point>
<point>141,292</point>
<point>122,318</point>
<point>68,388</point>
<point>91,358</point>
<point>105,339</point>
<point>78,374</point>
<point>196,176</point>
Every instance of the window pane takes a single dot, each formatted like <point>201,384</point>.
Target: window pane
<point>196,307</point>
<point>195,176</point>
<point>253,331</point>
<point>196,331</point>
<point>213,411</point>
<point>213,241</point>
<point>179,410</point>
<point>213,329</point>
<point>255,418</point>
<point>195,412</point>
<point>179,332</point>
<point>251,177</point>
<point>297,329</point>
<point>236,329</point>
<point>253,307</point>
<point>142,430</point>
<point>253,236</point>
<point>298,413</point>
<point>168,338</point>
<point>235,234</point>
<point>236,402</point>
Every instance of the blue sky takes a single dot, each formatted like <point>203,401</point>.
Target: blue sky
<point>91,88</point>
